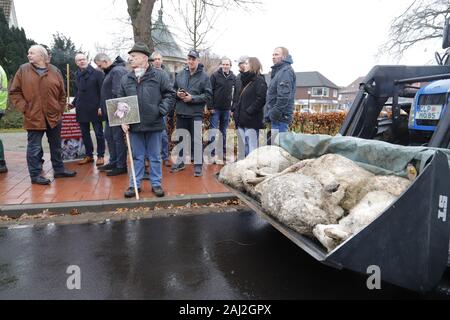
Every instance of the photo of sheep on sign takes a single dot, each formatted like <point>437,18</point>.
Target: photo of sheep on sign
<point>123,111</point>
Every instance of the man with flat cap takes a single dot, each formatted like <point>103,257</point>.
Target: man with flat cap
<point>194,92</point>
<point>155,96</point>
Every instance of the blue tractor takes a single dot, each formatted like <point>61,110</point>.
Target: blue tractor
<point>430,104</point>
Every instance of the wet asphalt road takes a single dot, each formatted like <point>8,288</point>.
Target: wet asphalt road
<point>226,256</point>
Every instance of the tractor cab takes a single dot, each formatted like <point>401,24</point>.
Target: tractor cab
<point>430,104</point>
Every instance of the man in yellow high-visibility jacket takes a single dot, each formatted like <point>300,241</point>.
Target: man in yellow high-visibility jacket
<point>3,102</point>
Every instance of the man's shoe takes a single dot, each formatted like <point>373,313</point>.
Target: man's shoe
<point>107,167</point>
<point>117,172</point>
<point>218,160</point>
<point>158,191</point>
<point>65,174</point>
<point>198,171</point>
<point>177,168</point>
<point>100,161</point>
<point>130,193</point>
<point>3,169</point>
<point>40,181</point>
<point>86,160</point>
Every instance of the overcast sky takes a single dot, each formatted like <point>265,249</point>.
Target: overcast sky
<point>340,39</point>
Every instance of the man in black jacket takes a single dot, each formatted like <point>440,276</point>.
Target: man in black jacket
<point>193,94</point>
<point>114,71</point>
<point>157,63</point>
<point>155,96</point>
<point>223,83</point>
<point>87,102</point>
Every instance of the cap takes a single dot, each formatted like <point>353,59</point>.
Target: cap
<point>140,47</point>
<point>242,59</point>
<point>193,54</point>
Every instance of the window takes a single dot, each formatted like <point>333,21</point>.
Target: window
<point>335,93</point>
<point>320,92</point>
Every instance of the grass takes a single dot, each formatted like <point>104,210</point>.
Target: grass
<point>12,130</point>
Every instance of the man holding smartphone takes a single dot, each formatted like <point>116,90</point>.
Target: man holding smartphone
<point>194,92</point>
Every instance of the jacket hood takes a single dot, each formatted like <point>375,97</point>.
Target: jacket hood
<point>119,62</point>
<point>287,60</point>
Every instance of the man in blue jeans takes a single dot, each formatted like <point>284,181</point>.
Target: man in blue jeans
<point>114,71</point>
<point>157,63</point>
<point>155,96</point>
<point>223,83</point>
<point>280,103</point>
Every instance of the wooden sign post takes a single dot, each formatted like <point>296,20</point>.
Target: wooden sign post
<point>125,111</point>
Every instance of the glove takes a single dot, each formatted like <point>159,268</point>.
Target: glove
<point>275,115</point>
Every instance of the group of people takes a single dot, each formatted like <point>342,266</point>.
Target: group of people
<point>252,102</point>
<point>38,92</point>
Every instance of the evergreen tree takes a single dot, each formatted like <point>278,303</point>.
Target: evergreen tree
<point>14,47</point>
<point>63,53</point>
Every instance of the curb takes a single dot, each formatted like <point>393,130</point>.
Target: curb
<point>15,211</point>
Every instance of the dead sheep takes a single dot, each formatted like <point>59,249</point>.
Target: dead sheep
<point>262,162</point>
<point>300,202</point>
<point>364,213</point>
<point>313,196</point>
<point>391,184</point>
<point>333,169</point>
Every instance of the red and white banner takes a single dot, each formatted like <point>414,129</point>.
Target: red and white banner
<point>70,127</point>
<point>71,138</point>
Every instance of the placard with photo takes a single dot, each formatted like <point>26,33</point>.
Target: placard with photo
<point>123,111</point>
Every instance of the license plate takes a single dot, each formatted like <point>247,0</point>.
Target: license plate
<point>429,112</point>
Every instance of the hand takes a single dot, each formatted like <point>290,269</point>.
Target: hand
<point>99,112</point>
<point>275,115</point>
<point>125,128</point>
<point>181,94</point>
<point>187,98</point>
<point>70,106</point>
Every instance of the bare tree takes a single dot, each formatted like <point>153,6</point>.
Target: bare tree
<point>423,20</point>
<point>200,17</point>
<point>210,61</point>
<point>140,12</point>
<point>198,20</point>
<point>204,15</point>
